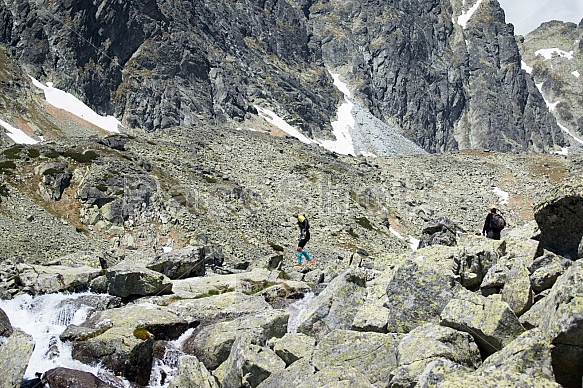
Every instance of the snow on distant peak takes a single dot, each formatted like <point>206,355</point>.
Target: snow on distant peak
<point>526,68</point>
<point>463,19</point>
<point>17,135</point>
<point>340,128</point>
<point>68,102</point>
<point>272,118</point>
<point>550,52</point>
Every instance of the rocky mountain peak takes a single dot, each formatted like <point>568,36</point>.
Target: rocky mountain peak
<point>443,74</point>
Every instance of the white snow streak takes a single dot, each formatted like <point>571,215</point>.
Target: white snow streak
<point>280,123</point>
<point>576,73</point>
<point>550,52</point>
<point>463,19</point>
<point>397,234</point>
<point>414,243</point>
<point>340,128</point>
<point>68,102</point>
<point>504,196</point>
<point>526,68</point>
<point>17,135</point>
<point>552,107</point>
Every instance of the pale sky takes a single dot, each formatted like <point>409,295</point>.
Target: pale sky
<point>527,15</point>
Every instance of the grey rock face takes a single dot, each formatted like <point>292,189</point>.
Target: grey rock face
<point>5,326</point>
<point>554,54</point>
<point>446,86</point>
<point>441,231</point>
<point>181,263</point>
<point>14,355</point>
<point>560,218</point>
<point>125,282</point>
<point>157,65</point>
<point>490,321</point>
<point>64,377</point>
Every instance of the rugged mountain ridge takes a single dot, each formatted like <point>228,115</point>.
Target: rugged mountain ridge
<point>553,54</point>
<point>158,64</point>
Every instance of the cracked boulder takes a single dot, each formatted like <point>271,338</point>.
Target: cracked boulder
<point>489,320</point>
<point>560,218</point>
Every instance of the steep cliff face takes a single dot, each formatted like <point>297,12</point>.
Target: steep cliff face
<point>553,54</point>
<point>157,64</point>
<point>447,74</point>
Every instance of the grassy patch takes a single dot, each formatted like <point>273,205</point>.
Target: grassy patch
<point>51,154</point>
<point>7,166</point>
<point>4,191</point>
<point>33,152</point>
<point>257,286</point>
<point>215,291</point>
<point>85,157</point>
<point>12,152</point>
<point>364,222</point>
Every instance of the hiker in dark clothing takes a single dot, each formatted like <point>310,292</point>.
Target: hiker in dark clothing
<point>488,230</point>
<point>303,239</point>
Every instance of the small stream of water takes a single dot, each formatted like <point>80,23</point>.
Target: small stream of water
<point>45,318</point>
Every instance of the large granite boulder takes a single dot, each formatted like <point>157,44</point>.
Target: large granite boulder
<point>475,257</point>
<point>489,320</point>
<point>61,377</point>
<point>293,346</point>
<point>517,290</point>
<point>249,363</point>
<point>545,270</point>
<point>15,353</point>
<point>336,306</point>
<point>372,354</point>
<point>192,374</point>
<point>420,288</point>
<point>121,339</point>
<point>124,281</point>
<point>560,317</point>
<point>180,263</point>
<point>440,231</point>
<point>212,344</point>
<point>560,218</point>
<point>303,374</point>
<point>56,278</point>
<point>524,362</point>
<point>6,329</point>
<point>428,343</point>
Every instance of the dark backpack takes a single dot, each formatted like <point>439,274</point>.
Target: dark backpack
<point>497,222</point>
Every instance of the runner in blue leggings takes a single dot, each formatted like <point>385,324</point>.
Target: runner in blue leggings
<point>303,239</point>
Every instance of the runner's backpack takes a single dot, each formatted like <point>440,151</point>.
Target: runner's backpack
<point>497,222</point>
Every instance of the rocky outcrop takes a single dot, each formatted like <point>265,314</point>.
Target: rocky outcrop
<point>441,231</point>
<point>553,56</point>
<point>212,344</point>
<point>181,263</point>
<point>64,377</point>
<point>192,374</point>
<point>15,353</point>
<point>336,306</point>
<point>56,278</point>
<point>490,321</point>
<point>560,218</point>
<point>6,329</point>
<point>155,65</point>
<point>124,282</point>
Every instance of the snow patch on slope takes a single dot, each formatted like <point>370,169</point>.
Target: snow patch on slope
<point>550,52</point>
<point>68,102</point>
<point>17,135</point>
<point>463,19</point>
